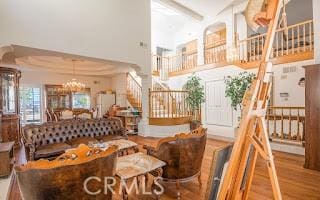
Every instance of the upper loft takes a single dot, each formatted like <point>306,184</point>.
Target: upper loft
<point>224,38</point>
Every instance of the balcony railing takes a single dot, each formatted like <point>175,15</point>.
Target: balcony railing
<point>216,54</point>
<point>286,124</point>
<point>294,43</point>
<point>295,39</point>
<point>174,63</point>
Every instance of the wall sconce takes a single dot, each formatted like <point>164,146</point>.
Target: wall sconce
<point>302,82</point>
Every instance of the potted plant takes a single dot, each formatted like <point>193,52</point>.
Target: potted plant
<point>194,99</point>
<point>236,88</point>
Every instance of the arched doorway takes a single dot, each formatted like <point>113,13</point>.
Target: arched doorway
<point>215,43</point>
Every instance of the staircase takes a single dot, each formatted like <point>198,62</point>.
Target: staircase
<point>163,99</point>
<point>166,107</point>
<point>134,92</point>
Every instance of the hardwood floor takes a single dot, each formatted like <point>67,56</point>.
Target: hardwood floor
<point>295,181</point>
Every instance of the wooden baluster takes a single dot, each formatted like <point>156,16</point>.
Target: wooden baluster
<point>150,104</point>
<point>177,105</point>
<point>168,103</point>
<point>277,46</point>
<point>268,121</point>
<point>304,38</point>
<point>254,49</point>
<point>275,123</point>
<point>298,39</point>
<point>281,34</point>
<point>298,126</point>
<point>282,134</point>
<point>155,104</point>
<point>292,41</point>
<point>290,132</point>
<point>183,105</point>
<point>287,40</point>
<point>311,36</point>
<point>250,56</point>
<point>155,112</point>
<point>303,129</point>
<point>258,48</point>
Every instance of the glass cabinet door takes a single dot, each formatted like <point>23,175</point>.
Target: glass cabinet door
<point>53,102</point>
<point>8,93</point>
<point>64,101</point>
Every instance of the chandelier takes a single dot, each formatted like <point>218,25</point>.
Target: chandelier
<point>73,85</point>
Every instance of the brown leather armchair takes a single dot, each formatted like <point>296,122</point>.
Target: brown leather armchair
<point>65,177</point>
<point>183,155</point>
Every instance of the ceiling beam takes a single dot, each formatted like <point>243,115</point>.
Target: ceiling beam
<point>182,9</point>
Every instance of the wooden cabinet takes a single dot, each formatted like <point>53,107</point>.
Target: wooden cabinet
<point>9,105</point>
<point>57,98</point>
<point>7,159</point>
<point>312,146</point>
<point>11,128</point>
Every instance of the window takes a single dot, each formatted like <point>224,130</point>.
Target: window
<point>81,100</point>
<point>30,105</point>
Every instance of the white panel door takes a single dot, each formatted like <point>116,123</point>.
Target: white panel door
<point>218,107</point>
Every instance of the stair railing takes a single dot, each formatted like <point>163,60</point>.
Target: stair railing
<point>168,104</point>
<point>134,91</point>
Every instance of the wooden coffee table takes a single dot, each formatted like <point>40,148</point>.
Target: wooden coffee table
<point>135,165</point>
<point>124,146</point>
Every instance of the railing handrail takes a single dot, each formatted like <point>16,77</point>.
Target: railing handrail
<point>286,107</point>
<point>214,45</point>
<point>132,78</point>
<point>286,123</point>
<point>159,91</point>
<point>278,30</point>
<point>155,81</point>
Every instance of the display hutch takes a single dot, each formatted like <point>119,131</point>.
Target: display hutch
<point>9,105</point>
<point>57,98</point>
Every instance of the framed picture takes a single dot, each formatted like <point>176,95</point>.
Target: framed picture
<point>218,168</point>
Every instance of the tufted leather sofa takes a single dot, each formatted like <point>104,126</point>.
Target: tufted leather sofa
<point>50,140</point>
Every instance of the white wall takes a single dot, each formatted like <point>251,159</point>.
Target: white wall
<point>288,83</point>
<point>119,85</point>
<point>40,79</point>
<point>284,83</point>
<point>195,30</point>
<point>206,76</point>
<point>316,17</point>
<point>105,29</point>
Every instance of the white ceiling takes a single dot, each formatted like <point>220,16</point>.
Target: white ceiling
<point>170,21</point>
<point>166,19</point>
<point>31,59</point>
<point>206,8</point>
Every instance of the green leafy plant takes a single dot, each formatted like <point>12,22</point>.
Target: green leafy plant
<point>237,86</point>
<point>195,95</point>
